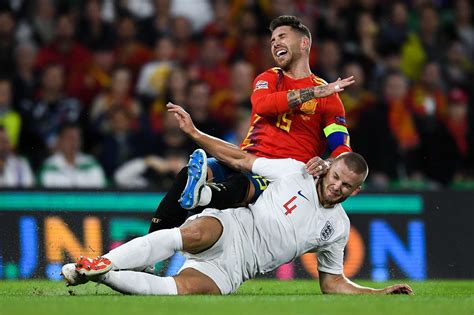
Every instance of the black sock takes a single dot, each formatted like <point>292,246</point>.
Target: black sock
<point>169,213</point>
<point>231,193</point>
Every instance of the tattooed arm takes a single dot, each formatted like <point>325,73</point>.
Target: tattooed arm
<point>267,100</point>
<point>298,97</point>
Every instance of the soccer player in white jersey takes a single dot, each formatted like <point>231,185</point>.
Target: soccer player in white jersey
<point>296,214</point>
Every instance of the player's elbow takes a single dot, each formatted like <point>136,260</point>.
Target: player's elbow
<point>328,288</point>
<point>240,164</point>
<point>260,111</point>
<point>263,108</point>
<point>330,284</point>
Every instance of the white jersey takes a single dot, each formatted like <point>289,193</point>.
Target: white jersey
<point>289,221</point>
<point>285,222</point>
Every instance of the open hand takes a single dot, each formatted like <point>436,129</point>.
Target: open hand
<point>398,289</point>
<point>333,87</point>
<point>316,166</point>
<point>184,119</point>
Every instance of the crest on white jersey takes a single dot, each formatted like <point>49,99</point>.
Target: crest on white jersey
<point>327,231</point>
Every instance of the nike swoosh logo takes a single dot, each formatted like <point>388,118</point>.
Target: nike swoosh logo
<point>299,193</point>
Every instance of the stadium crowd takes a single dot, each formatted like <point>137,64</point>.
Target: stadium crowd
<point>84,84</point>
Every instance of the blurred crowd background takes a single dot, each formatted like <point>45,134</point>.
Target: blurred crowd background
<point>83,85</point>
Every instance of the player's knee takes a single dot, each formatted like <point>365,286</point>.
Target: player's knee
<point>194,238</point>
<point>185,288</point>
<point>189,286</point>
<point>192,234</point>
<point>200,234</point>
<point>191,281</point>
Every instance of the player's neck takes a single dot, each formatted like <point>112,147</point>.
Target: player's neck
<point>299,70</point>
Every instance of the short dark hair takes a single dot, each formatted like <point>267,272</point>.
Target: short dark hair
<point>355,162</point>
<point>291,21</point>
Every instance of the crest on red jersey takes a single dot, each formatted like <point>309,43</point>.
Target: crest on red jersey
<point>309,107</point>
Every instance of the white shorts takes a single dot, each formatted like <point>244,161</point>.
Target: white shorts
<point>225,261</point>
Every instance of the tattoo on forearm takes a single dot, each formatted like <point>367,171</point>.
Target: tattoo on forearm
<point>320,90</point>
<point>298,97</point>
<point>306,94</point>
<point>293,98</point>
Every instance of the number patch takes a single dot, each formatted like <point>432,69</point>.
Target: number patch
<point>284,122</point>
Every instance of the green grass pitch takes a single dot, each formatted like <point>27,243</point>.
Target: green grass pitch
<point>254,297</point>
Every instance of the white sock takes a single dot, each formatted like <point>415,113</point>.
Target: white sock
<point>133,282</point>
<point>206,196</point>
<point>146,250</point>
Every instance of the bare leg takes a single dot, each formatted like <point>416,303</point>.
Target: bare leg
<point>191,281</point>
<point>200,234</point>
<point>210,175</point>
<point>197,236</point>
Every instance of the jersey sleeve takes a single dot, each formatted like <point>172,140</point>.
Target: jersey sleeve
<point>273,169</point>
<point>266,99</point>
<point>334,126</point>
<point>331,257</point>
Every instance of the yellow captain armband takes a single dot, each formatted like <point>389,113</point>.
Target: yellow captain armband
<point>332,128</point>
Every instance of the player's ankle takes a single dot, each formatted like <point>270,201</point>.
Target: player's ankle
<point>205,196</point>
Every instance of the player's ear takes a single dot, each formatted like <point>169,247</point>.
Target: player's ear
<point>305,43</point>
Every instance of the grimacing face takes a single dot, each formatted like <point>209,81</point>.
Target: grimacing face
<point>286,46</point>
<point>338,184</point>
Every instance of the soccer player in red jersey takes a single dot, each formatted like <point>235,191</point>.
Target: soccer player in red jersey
<point>290,115</point>
<point>295,114</point>
<point>285,124</point>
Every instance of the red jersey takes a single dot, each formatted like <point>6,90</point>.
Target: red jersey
<point>301,133</point>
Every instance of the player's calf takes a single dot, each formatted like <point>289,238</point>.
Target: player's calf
<point>169,213</point>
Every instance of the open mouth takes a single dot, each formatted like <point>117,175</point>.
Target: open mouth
<point>332,193</point>
<point>281,53</point>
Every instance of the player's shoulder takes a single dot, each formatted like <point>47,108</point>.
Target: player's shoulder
<point>272,72</point>
<point>297,164</point>
<point>266,79</point>
<point>344,218</point>
<point>283,166</point>
<point>275,70</point>
<point>282,161</point>
<point>296,169</point>
<point>318,80</point>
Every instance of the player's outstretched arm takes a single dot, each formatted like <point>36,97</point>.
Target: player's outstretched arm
<point>224,151</point>
<point>339,284</point>
<point>298,97</point>
<point>333,87</point>
<point>267,101</point>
